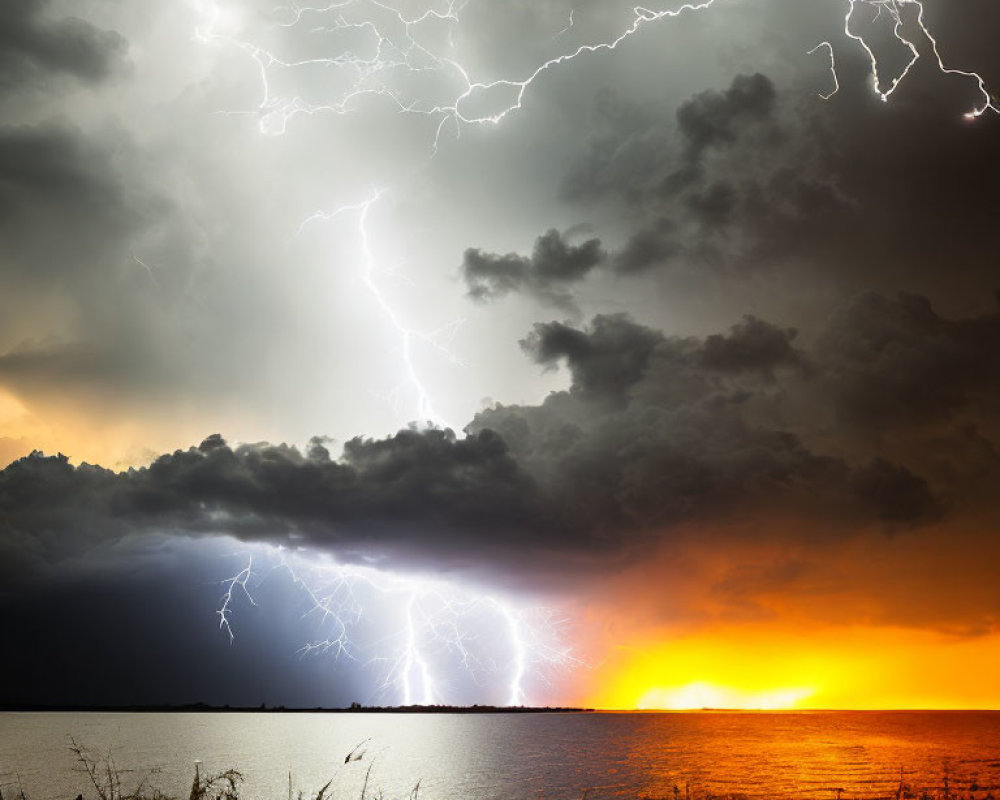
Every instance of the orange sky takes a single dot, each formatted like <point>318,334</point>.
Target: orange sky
<point>771,615</point>
<point>764,667</point>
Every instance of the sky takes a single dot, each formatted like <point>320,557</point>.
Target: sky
<point>533,351</point>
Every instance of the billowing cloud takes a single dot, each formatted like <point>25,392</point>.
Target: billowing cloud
<point>760,179</point>
<point>655,433</point>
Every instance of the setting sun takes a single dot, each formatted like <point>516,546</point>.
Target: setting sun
<point>705,695</point>
<point>839,668</point>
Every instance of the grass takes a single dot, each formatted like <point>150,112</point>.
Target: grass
<point>111,782</point>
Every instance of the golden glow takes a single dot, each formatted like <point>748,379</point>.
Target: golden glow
<point>118,438</point>
<point>837,668</point>
<point>705,695</point>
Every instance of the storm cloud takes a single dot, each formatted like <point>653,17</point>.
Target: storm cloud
<point>654,432</point>
<point>554,264</point>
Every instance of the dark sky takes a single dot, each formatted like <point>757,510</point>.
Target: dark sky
<point>655,337</point>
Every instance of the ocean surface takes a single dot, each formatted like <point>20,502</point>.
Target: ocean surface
<point>505,756</point>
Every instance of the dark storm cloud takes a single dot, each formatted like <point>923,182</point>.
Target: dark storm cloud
<point>717,118</point>
<point>32,43</point>
<point>760,179</point>
<point>428,491</point>
<point>695,181</point>
<point>654,431</point>
<point>553,265</point>
<point>605,360</point>
<point>653,166</point>
<point>756,179</point>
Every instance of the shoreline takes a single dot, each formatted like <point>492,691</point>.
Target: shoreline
<point>205,708</point>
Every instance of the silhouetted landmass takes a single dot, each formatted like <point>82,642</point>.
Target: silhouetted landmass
<point>354,708</point>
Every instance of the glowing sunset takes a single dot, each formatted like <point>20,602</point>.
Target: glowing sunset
<point>508,398</point>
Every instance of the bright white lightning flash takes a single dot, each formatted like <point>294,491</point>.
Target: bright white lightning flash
<point>436,339</point>
<point>430,633</point>
<point>398,47</point>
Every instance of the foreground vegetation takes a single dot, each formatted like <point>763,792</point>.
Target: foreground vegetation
<point>111,782</point>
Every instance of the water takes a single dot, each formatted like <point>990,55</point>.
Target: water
<point>508,757</point>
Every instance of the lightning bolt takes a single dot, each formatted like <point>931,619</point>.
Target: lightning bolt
<point>397,48</point>
<point>895,10</point>
<point>436,339</point>
<point>833,69</point>
<point>440,627</point>
<point>238,581</point>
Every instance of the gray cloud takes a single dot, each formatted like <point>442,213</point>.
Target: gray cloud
<point>554,264</point>
<point>762,179</point>
<point>655,431</point>
<point>606,360</point>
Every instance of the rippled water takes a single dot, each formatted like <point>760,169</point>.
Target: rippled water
<point>494,757</point>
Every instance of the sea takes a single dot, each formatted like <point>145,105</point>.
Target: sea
<point>373,756</point>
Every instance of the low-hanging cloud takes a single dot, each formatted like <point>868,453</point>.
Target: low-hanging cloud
<point>654,432</point>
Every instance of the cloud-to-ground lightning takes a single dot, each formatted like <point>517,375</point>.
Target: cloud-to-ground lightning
<point>431,633</point>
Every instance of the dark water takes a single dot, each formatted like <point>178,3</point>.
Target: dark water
<point>493,757</point>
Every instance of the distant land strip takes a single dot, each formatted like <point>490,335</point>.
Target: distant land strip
<point>264,708</point>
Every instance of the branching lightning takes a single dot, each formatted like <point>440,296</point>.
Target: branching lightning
<point>437,631</point>
<point>238,581</point>
<point>895,10</point>
<point>398,48</point>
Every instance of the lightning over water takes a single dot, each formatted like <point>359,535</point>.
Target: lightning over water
<point>419,638</point>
